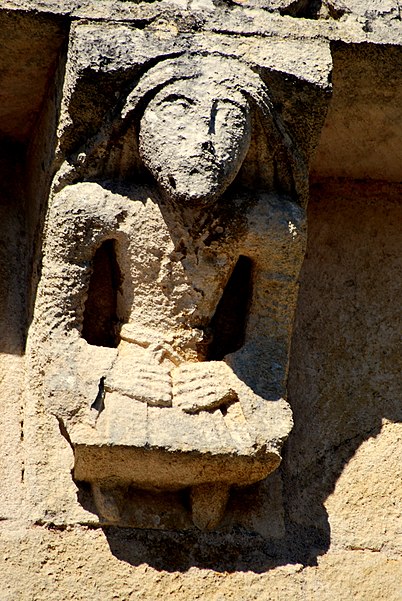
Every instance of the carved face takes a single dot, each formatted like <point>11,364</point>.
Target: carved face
<point>194,138</point>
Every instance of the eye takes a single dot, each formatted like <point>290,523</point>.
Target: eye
<point>179,99</point>
<point>225,113</point>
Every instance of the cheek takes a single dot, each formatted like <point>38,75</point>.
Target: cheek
<point>232,139</point>
<point>170,136</point>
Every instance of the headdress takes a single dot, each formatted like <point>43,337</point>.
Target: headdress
<point>230,74</point>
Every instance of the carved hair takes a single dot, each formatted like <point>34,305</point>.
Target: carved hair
<point>227,73</point>
<point>230,75</point>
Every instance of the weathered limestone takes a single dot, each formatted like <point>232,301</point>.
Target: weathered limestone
<point>168,301</point>
<point>155,164</point>
<point>122,566</point>
<point>344,474</point>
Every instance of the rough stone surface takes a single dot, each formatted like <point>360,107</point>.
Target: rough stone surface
<point>158,225</point>
<point>81,563</point>
<point>368,514</point>
<point>351,333</point>
<point>327,522</point>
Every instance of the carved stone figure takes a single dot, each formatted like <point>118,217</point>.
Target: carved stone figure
<point>173,246</point>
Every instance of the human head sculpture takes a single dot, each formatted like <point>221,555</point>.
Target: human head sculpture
<point>194,139</point>
<point>195,128</point>
<point>193,122</point>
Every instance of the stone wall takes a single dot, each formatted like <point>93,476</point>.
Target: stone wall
<point>328,522</point>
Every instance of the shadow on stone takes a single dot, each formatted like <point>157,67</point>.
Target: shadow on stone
<point>341,387</point>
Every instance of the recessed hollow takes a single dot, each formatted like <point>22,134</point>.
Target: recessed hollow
<point>230,319</point>
<point>100,314</point>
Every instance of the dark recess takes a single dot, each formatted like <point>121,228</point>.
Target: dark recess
<point>100,315</point>
<point>229,322</point>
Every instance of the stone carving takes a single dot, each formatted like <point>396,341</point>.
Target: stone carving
<point>173,245</point>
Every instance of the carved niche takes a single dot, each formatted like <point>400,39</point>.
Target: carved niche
<point>173,244</point>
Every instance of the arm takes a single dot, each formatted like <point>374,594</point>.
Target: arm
<point>275,244</point>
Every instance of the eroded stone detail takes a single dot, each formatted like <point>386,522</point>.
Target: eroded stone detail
<point>192,177</point>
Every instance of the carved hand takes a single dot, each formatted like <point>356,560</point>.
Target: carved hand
<point>203,386</point>
<point>138,374</point>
